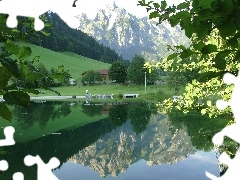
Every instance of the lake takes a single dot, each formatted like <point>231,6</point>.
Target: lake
<point>111,141</point>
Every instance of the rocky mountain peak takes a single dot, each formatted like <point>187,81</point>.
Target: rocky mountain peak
<point>131,35</point>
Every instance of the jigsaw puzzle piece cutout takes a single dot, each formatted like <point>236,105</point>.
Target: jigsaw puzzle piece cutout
<point>67,13</point>
<point>18,176</point>
<point>234,102</point>
<point>26,8</point>
<point>230,131</point>
<point>44,170</point>
<point>232,172</point>
<point>9,140</point>
<point>3,165</point>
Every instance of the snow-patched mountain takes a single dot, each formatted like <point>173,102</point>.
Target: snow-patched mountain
<point>131,35</point>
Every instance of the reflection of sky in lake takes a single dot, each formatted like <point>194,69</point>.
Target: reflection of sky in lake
<point>193,167</point>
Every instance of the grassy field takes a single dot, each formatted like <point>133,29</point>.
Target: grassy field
<point>76,64</point>
<point>109,89</point>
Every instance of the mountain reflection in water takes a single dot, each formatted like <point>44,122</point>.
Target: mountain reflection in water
<point>113,140</point>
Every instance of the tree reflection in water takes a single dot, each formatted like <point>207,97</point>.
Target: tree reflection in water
<point>138,113</point>
<point>201,128</point>
<point>134,119</point>
<point>40,113</point>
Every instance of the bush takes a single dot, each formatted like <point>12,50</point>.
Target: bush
<point>118,96</point>
<point>160,95</point>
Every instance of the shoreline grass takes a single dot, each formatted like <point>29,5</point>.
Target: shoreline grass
<point>108,89</point>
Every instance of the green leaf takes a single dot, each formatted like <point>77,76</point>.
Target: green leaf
<point>11,66</point>
<point>33,76</point>
<point>209,103</point>
<point>163,5</point>
<point>227,28</point>
<point>183,5</point>
<point>233,42</point>
<point>156,5</point>
<point>181,47</point>
<point>17,97</point>
<point>172,56</point>
<point>199,46</point>
<point>220,61</point>
<point>186,53</point>
<point>174,21</point>
<point>24,52</point>
<point>203,111</point>
<point>225,6</point>
<point>205,4</point>
<point>209,75</point>
<point>189,31</point>
<point>5,113</point>
<point>11,47</point>
<point>24,70</point>
<point>210,48</point>
<point>5,75</point>
<point>237,56</point>
<point>182,14</point>
<point>153,15</point>
<point>45,33</point>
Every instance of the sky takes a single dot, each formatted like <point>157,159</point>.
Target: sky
<point>90,7</point>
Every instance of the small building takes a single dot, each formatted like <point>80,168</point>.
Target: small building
<point>104,74</point>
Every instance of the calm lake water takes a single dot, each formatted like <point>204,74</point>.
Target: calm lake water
<point>129,141</point>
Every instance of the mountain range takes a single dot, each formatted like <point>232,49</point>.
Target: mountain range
<point>131,35</point>
<point>116,151</point>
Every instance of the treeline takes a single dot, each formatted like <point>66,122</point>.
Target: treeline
<point>63,38</point>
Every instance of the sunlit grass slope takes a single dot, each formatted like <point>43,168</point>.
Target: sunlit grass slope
<point>76,64</point>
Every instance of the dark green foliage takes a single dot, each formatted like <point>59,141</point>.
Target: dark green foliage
<point>5,112</point>
<point>200,127</point>
<point>152,77</point>
<point>201,19</point>
<point>92,109</point>
<point>159,96</point>
<point>176,80</point>
<point>91,77</point>
<point>19,73</point>
<point>63,38</point>
<point>136,70</point>
<point>140,116</point>
<point>36,75</point>
<point>118,114</point>
<point>40,113</point>
<point>118,72</point>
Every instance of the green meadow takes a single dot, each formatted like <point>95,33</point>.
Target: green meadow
<point>108,89</point>
<point>76,64</point>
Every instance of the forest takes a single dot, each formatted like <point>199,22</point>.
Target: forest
<point>60,37</point>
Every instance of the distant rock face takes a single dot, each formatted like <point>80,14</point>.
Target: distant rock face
<point>131,35</point>
<point>116,151</point>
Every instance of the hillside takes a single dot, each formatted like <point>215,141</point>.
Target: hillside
<point>76,64</point>
<point>63,38</point>
<point>131,35</point>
